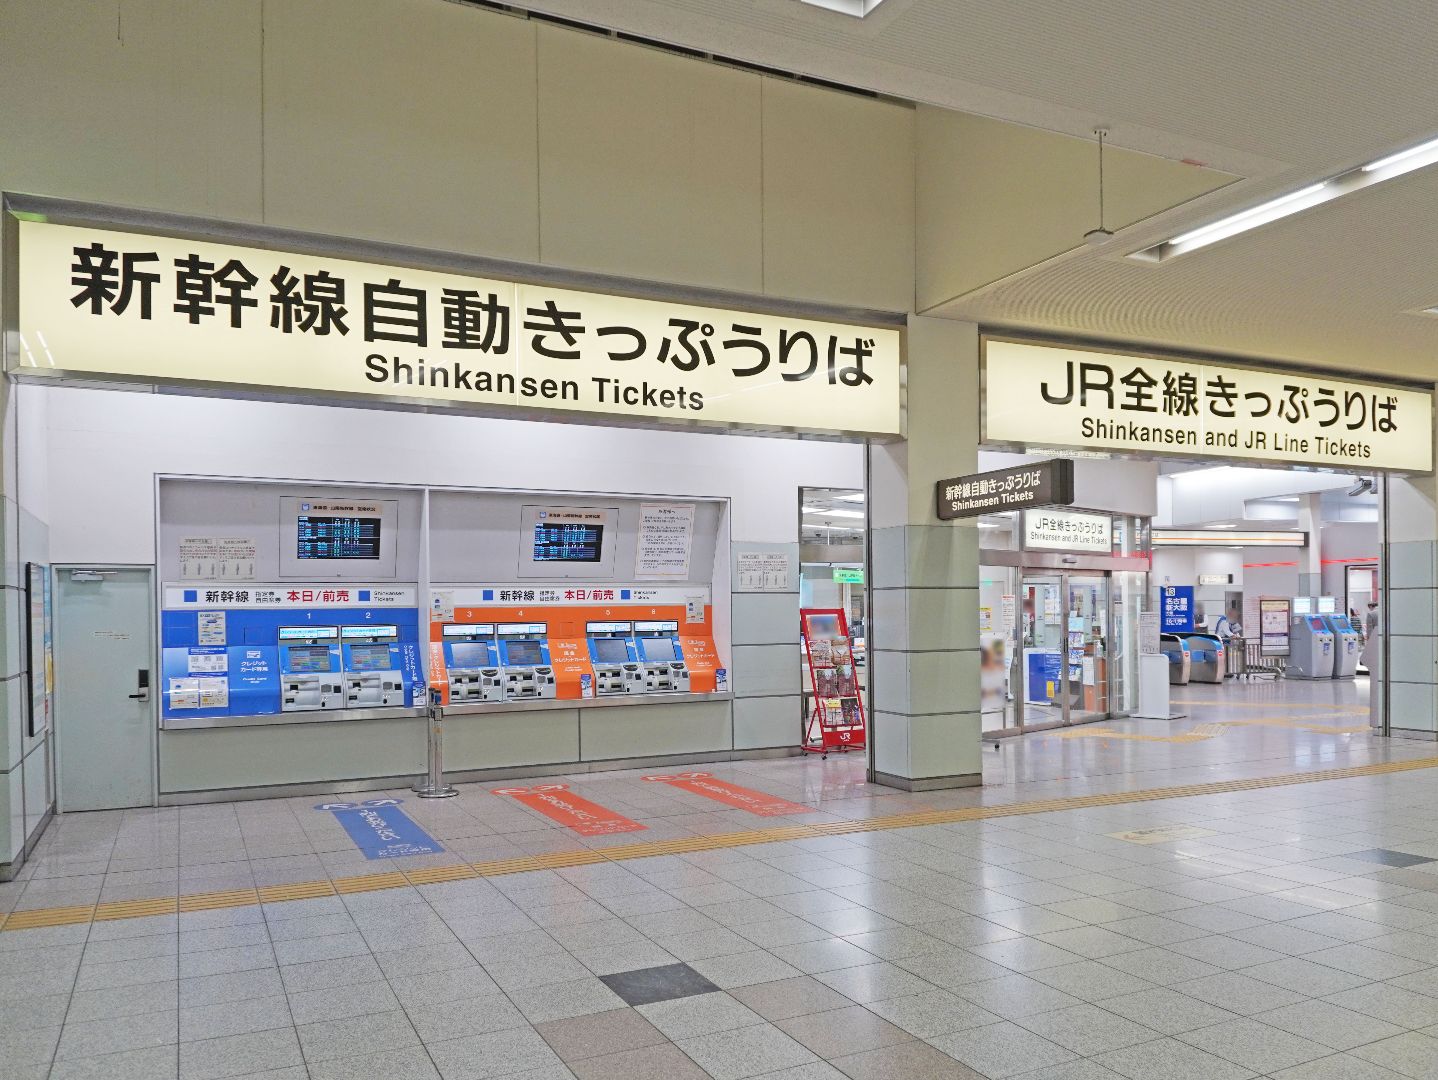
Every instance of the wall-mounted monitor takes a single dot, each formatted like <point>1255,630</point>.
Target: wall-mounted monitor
<point>558,542</point>
<point>330,537</point>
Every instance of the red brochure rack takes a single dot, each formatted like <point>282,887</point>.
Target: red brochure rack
<point>835,723</point>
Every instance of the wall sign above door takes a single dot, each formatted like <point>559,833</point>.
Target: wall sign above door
<point>1047,395</point>
<point>1048,483</point>
<point>151,308</point>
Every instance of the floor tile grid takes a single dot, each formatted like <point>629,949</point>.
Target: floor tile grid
<point>25,918</point>
<point>660,870</point>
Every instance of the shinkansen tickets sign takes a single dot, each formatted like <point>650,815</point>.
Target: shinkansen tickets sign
<point>94,301</point>
<point>1050,396</point>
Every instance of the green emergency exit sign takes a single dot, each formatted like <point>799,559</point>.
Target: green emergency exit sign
<point>846,575</point>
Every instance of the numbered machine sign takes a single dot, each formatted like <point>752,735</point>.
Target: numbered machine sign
<point>836,716</point>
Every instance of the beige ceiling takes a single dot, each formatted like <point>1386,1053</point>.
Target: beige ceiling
<point>1280,92</point>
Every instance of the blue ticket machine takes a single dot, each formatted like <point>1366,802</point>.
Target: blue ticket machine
<point>311,671</point>
<point>1345,646</point>
<point>1310,648</point>
<point>524,661</point>
<point>472,663</point>
<point>661,658</point>
<point>612,655</point>
<point>374,667</point>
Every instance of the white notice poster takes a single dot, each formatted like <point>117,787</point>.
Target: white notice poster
<point>666,531</point>
<point>761,571</point>
<point>212,627</point>
<point>217,558</point>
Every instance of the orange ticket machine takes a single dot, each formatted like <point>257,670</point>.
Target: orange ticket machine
<point>544,643</point>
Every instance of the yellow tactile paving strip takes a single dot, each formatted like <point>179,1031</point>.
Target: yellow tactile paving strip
<point>305,890</point>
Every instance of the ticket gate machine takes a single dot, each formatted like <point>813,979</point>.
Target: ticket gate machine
<point>311,671</point>
<point>1206,662</point>
<point>524,661</point>
<point>1180,658</point>
<point>612,656</point>
<point>661,658</point>
<point>1345,646</point>
<point>471,662</point>
<point>1310,648</point>
<point>374,667</point>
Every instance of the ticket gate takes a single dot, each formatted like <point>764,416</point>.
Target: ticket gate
<point>1206,659</point>
<point>374,667</point>
<point>311,671</point>
<point>1310,648</point>
<point>661,658</point>
<point>1180,658</point>
<point>1345,646</point>
<point>612,655</point>
<point>525,668</point>
<point>471,663</point>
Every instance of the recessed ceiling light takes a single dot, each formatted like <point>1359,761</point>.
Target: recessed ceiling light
<point>856,8</point>
<point>819,511</point>
<point>831,528</point>
<point>1375,172</point>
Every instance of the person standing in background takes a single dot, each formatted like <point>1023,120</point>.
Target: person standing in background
<point>1370,633</point>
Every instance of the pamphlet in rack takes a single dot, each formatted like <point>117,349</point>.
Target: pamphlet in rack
<point>836,720</point>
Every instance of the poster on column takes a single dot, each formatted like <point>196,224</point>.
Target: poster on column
<point>666,534</point>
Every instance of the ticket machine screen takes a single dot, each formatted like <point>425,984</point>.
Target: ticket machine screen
<point>1315,623</point>
<point>658,649</point>
<point>307,659</point>
<point>524,652</point>
<point>611,650</point>
<point>369,658</point>
<point>469,654</point>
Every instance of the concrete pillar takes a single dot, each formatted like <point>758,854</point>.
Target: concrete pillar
<point>1310,559</point>
<point>1411,568</point>
<point>923,634</point>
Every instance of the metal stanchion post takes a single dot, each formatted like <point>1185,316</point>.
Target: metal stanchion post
<point>433,786</point>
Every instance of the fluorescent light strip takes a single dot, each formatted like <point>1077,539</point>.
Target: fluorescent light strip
<point>858,496</point>
<point>819,511</point>
<point>1375,172</point>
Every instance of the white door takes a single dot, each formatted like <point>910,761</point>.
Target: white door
<point>104,693</point>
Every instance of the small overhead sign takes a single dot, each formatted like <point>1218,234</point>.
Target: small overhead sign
<point>849,575</point>
<point>1048,483</point>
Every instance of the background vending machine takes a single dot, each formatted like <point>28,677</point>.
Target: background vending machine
<point>661,658</point>
<point>612,656</point>
<point>524,661</point>
<point>471,659</point>
<point>311,675</point>
<point>374,667</point>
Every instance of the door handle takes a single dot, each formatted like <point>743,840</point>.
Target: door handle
<point>142,682</point>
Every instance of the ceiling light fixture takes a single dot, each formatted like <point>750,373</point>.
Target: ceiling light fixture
<point>819,511</point>
<point>1335,187</point>
<point>857,8</point>
<point>857,496</point>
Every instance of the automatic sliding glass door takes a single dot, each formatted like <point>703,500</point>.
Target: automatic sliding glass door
<point>1064,621</point>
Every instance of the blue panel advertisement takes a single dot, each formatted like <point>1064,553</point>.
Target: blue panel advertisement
<point>1176,615</point>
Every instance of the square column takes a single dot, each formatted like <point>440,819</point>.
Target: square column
<point>1411,569</point>
<point>924,628</point>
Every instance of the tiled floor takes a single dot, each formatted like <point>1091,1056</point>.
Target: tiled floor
<point>1294,935</point>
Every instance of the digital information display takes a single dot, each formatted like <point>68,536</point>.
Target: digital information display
<point>611,650</point>
<point>369,658</point>
<point>469,654</point>
<point>337,537</point>
<point>658,649</point>
<point>308,633</point>
<point>568,542</point>
<point>523,653</point>
<point>309,659</point>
